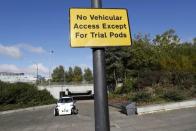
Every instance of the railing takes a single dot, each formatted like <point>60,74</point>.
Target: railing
<point>64,83</point>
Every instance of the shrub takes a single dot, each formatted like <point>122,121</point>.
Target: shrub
<point>23,94</point>
<point>174,95</point>
<point>127,86</point>
<point>142,96</point>
<point>193,91</point>
<point>118,90</point>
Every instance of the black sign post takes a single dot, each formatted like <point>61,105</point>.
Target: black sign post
<point>100,91</point>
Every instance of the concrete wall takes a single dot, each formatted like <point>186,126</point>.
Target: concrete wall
<point>55,89</point>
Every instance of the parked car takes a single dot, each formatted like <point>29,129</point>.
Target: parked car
<point>65,106</point>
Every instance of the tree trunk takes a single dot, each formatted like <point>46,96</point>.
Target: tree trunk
<point>116,82</point>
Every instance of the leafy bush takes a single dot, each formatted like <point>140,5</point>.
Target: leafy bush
<point>193,92</point>
<point>128,86</point>
<point>118,90</point>
<point>164,65</point>
<point>174,95</point>
<point>142,96</point>
<point>148,78</point>
<point>23,94</point>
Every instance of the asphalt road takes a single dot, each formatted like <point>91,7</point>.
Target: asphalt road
<point>43,120</point>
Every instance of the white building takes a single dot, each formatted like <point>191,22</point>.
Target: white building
<point>17,77</point>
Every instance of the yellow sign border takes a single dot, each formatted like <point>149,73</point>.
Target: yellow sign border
<point>83,46</point>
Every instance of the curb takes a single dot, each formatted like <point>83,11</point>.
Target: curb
<point>85,101</point>
<point>165,107</point>
<point>38,107</point>
<point>27,109</point>
<point>140,110</point>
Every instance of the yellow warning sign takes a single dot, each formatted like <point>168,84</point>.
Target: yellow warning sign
<point>99,27</point>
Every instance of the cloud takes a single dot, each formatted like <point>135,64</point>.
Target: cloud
<point>10,51</point>
<point>9,68</point>
<point>31,69</point>
<point>15,52</point>
<point>30,48</point>
<point>39,66</point>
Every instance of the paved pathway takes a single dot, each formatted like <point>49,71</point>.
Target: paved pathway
<point>43,120</point>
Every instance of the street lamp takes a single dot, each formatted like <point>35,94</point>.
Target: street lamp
<point>51,52</point>
<point>37,72</point>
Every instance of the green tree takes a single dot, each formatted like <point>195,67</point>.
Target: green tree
<point>88,76</point>
<point>114,65</point>
<point>69,75</point>
<point>167,38</point>
<point>58,74</point>
<point>77,74</point>
<point>194,41</point>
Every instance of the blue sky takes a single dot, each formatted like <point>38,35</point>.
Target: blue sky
<point>30,29</point>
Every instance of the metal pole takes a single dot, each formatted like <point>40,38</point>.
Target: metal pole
<point>37,72</point>
<point>100,91</point>
<point>50,58</point>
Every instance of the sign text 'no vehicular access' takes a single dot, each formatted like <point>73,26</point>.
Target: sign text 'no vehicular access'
<point>99,27</point>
